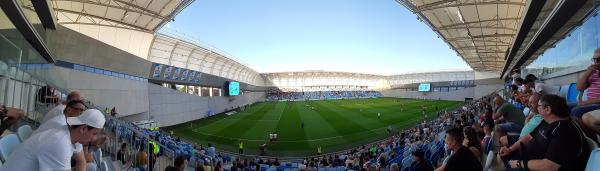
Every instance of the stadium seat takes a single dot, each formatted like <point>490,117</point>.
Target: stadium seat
<point>97,154</point>
<point>549,89</point>
<point>118,165</point>
<point>104,166</point>
<point>594,160</point>
<point>563,91</point>
<point>582,95</point>
<point>24,132</point>
<point>109,163</point>
<point>572,93</point>
<point>488,162</point>
<point>7,145</point>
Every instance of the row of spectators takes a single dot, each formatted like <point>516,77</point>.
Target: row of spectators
<point>65,139</point>
<point>321,95</point>
<point>537,131</point>
<point>427,137</point>
<point>415,149</point>
<point>541,131</point>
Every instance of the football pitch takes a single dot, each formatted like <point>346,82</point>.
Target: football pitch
<point>333,125</point>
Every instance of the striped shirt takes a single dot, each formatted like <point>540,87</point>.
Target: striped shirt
<point>594,85</point>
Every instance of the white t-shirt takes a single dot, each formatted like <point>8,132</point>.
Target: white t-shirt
<point>56,111</point>
<point>56,122</point>
<point>48,150</point>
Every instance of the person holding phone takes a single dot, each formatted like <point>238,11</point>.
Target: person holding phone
<point>590,81</point>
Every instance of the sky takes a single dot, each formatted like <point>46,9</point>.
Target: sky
<point>365,36</point>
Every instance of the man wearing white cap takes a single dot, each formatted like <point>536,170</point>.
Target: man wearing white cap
<point>73,108</point>
<point>52,149</point>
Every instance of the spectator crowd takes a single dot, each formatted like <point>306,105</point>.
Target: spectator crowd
<point>527,127</point>
<point>273,95</point>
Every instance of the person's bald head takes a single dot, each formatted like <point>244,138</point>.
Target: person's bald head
<point>532,103</point>
<point>75,95</point>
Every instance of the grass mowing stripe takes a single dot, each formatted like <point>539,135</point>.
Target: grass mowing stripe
<point>289,131</point>
<point>335,125</point>
<point>340,123</point>
<point>242,125</point>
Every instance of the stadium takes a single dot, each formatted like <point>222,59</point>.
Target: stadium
<point>156,99</point>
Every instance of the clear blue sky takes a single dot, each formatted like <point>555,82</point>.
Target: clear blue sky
<point>367,36</point>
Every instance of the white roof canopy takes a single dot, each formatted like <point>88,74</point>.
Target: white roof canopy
<point>480,31</point>
<point>143,15</point>
<point>170,50</point>
<point>325,78</point>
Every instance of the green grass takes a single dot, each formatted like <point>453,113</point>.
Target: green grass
<point>335,125</point>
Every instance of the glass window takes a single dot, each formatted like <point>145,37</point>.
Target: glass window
<point>575,50</point>
<point>90,69</point>
<point>32,17</point>
<point>99,71</point>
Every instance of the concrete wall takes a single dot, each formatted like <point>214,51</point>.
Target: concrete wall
<point>131,41</point>
<point>72,46</point>
<point>484,90</point>
<point>457,95</point>
<point>564,79</point>
<point>486,86</point>
<point>128,96</point>
<point>171,107</point>
<point>483,87</point>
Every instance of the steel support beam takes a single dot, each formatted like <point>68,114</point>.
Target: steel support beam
<point>99,17</point>
<point>477,22</point>
<point>447,5</point>
<point>479,37</point>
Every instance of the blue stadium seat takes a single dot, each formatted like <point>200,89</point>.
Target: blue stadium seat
<point>572,93</point>
<point>97,154</point>
<point>549,89</point>
<point>24,132</point>
<point>488,162</point>
<point>594,160</point>
<point>7,145</point>
<point>564,90</point>
<point>104,166</point>
<point>584,95</point>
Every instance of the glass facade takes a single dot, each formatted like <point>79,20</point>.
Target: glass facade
<point>574,52</point>
<point>457,77</point>
<point>20,66</point>
<point>33,18</point>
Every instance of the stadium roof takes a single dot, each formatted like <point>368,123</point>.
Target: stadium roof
<point>320,78</point>
<point>143,15</point>
<point>178,52</point>
<point>316,73</point>
<point>480,31</point>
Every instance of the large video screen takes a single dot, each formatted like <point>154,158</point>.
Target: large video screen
<point>234,88</point>
<point>425,87</point>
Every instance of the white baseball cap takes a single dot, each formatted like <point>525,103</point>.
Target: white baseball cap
<point>90,117</point>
